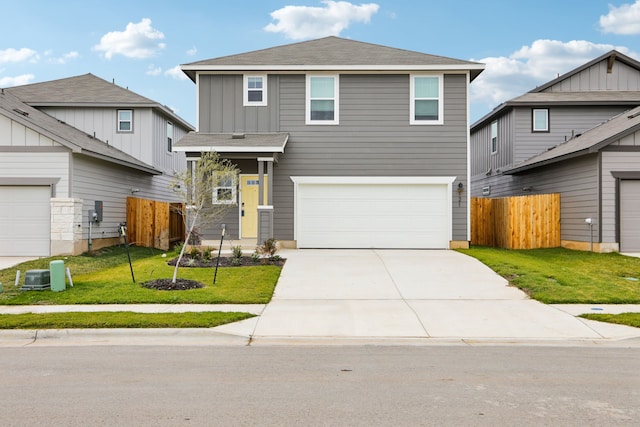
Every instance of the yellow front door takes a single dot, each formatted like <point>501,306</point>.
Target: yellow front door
<point>249,207</point>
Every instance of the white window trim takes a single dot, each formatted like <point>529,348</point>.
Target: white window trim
<point>234,191</point>
<point>494,124</point>
<point>170,137</point>
<point>412,99</point>
<point>118,121</point>
<point>336,100</point>
<point>533,121</point>
<point>245,91</point>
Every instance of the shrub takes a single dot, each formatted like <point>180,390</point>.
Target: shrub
<point>206,253</point>
<point>236,252</point>
<point>255,257</point>
<point>268,248</point>
<point>194,252</point>
<point>236,261</point>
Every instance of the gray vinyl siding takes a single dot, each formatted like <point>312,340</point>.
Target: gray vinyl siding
<point>614,161</point>
<point>577,182</point>
<point>373,138</point>
<point>563,123</point>
<point>596,77</point>
<point>98,180</point>
<point>483,160</point>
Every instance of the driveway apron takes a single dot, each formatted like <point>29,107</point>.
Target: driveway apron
<point>405,294</point>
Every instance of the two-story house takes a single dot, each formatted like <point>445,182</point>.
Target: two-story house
<point>340,144</point>
<point>77,145</point>
<point>562,138</point>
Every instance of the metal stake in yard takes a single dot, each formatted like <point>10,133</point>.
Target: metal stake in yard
<point>219,251</point>
<point>122,228</point>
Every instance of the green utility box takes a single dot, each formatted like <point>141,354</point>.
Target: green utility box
<point>57,275</point>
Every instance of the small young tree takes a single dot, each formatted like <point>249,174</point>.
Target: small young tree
<point>207,191</point>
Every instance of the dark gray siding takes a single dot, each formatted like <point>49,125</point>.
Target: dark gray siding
<point>374,137</point>
<point>577,182</point>
<point>221,109</point>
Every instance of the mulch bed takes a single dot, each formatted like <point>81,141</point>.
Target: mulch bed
<point>245,261</point>
<point>187,261</point>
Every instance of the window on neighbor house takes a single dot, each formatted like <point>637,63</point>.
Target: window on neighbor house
<point>540,120</point>
<point>224,188</point>
<point>322,100</point>
<point>125,120</point>
<point>426,100</point>
<point>169,137</point>
<point>255,90</point>
<point>494,136</point>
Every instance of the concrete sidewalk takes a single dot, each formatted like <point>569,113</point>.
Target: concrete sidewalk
<point>367,296</point>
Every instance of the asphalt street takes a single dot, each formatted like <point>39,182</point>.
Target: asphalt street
<point>320,386</point>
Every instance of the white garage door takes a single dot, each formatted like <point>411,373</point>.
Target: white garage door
<point>25,221</point>
<point>629,216</point>
<point>373,212</point>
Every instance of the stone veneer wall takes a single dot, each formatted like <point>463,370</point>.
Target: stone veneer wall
<point>66,226</point>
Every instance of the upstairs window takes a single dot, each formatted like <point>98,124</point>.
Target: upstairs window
<point>169,137</point>
<point>426,100</point>
<point>255,91</point>
<point>125,120</point>
<point>322,100</point>
<point>224,188</point>
<point>494,137</point>
<point>540,120</point>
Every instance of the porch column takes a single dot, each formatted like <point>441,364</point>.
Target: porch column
<point>265,207</point>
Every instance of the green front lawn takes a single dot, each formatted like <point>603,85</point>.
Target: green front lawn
<point>106,279</point>
<point>563,276</point>
<point>123,319</point>
<point>629,319</point>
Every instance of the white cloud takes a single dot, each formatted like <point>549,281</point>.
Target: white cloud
<point>152,70</point>
<point>507,77</point>
<point>64,58</point>
<point>176,73</point>
<point>137,41</point>
<point>192,51</point>
<point>302,22</point>
<point>18,55</point>
<point>16,81</point>
<point>622,20</point>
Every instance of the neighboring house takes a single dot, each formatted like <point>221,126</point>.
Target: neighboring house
<point>67,144</point>
<point>340,144</point>
<point>562,137</point>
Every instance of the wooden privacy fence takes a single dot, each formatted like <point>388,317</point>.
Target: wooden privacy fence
<point>521,222</point>
<point>154,224</point>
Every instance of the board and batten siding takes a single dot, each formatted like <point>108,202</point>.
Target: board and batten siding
<point>222,110</point>
<point>563,123</point>
<point>577,182</point>
<point>596,77</point>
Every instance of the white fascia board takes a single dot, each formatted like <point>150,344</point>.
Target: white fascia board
<point>420,180</point>
<point>223,149</point>
<point>239,68</point>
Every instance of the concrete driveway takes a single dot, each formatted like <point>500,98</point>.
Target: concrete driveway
<point>403,294</point>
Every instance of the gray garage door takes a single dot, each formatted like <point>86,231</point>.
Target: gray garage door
<point>25,220</point>
<point>629,216</point>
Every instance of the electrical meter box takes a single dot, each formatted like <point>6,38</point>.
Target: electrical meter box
<point>98,209</point>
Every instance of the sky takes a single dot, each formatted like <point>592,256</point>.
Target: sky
<point>141,44</point>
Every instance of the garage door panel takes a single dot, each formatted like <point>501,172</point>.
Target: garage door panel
<point>380,215</point>
<point>25,221</point>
